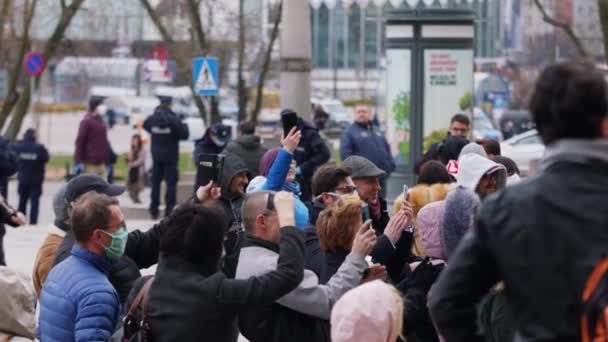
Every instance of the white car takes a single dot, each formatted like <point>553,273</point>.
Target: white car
<point>523,148</point>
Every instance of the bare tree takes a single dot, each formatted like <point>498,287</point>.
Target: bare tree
<point>15,73</point>
<point>67,14</point>
<point>242,88</point>
<point>564,26</point>
<point>266,64</point>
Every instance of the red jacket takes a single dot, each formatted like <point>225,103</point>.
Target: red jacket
<point>92,141</point>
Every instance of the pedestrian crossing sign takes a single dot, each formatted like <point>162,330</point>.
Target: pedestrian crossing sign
<point>205,76</point>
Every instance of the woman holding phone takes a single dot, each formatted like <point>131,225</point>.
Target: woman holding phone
<point>278,173</point>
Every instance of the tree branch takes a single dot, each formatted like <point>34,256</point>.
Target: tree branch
<point>602,6</point>
<point>3,15</point>
<point>564,26</point>
<point>180,60</point>
<point>197,25</point>
<point>63,4</point>
<point>266,64</point>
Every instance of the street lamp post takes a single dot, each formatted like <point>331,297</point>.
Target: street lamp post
<point>295,57</point>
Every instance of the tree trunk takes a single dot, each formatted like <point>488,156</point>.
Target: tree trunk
<point>242,88</point>
<point>564,26</point>
<point>12,95</point>
<point>180,60</point>
<point>602,6</point>
<point>266,65</point>
<point>3,15</point>
<point>67,15</point>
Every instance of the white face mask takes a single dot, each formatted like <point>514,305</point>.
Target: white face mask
<point>101,109</point>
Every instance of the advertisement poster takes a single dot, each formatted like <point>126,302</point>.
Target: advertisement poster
<point>448,76</point>
<point>398,102</point>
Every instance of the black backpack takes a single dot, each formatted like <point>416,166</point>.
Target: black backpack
<point>135,325</point>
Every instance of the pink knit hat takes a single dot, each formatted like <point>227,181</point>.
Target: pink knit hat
<point>370,312</point>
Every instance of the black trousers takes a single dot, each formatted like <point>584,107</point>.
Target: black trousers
<point>30,192</point>
<point>166,171</point>
<point>2,231</point>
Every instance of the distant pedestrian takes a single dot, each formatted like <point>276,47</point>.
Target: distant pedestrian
<point>92,141</point>
<point>166,130</point>
<point>248,147</point>
<point>491,146</point>
<point>214,141</point>
<point>111,161</point>
<point>32,158</point>
<point>8,167</point>
<point>365,139</point>
<point>136,162</point>
<point>78,289</point>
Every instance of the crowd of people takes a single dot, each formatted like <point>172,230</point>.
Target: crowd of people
<point>470,253</point>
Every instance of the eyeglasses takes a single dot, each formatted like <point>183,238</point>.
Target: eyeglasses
<point>346,190</point>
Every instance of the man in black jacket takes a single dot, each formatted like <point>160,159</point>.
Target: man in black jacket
<point>33,156</point>
<point>460,126</point>
<point>8,167</point>
<point>395,236</point>
<point>235,177</point>
<point>166,130</point>
<point>310,154</point>
<point>142,247</point>
<point>543,236</point>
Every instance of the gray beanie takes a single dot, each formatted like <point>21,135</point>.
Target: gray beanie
<point>60,205</point>
<point>473,148</point>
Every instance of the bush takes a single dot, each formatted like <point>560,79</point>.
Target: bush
<point>354,102</point>
<point>434,137</point>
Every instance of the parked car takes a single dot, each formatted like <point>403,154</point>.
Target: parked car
<point>515,122</point>
<point>523,149</point>
<point>483,128</point>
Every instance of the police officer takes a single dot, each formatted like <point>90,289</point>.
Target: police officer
<point>166,130</point>
<point>32,156</point>
<point>214,141</point>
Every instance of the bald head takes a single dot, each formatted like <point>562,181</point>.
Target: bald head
<point>257,219</point>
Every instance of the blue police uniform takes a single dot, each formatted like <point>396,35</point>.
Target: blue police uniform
<point>32,158</point>
<point>166,130</point>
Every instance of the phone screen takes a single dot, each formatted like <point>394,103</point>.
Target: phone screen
<point>289,121</point>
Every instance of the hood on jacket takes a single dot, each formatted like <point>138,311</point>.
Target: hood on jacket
<point>461,206</point>
<point>575,150</point>
<point>430,222</point>
<point>471,167</point>
<point>233,165</point>
<point>256,184</point>
<point>450,148</point>
<point>18,309</point>
<point>249,142</point>
<point>473,148</point>
<point>164,116</point>
<point>369,312</point>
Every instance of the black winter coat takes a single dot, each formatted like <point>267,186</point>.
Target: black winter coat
<point>187,305</point>
<point>8,164</point>
<point>141,252</point>
<point>311,153</point>
<point>32,158</point>
<point>542,238</point>
<point>166,130</point>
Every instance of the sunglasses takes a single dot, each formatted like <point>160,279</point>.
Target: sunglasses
<point>347,189</point>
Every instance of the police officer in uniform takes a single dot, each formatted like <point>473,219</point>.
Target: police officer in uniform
<point>32,157</point>
<point>166,130</point>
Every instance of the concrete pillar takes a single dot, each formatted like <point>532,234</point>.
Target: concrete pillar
<point>295,57</point>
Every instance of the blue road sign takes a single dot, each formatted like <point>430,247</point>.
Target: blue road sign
<point>34,63</point>
<point>205,76</point>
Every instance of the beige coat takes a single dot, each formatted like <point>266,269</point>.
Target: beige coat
<point>18,309</point>
<point>140,164</point>
<point>46,257</point>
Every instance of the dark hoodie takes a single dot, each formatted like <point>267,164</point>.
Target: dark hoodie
<point>166,130</point>
<point>232,203</point>
<point>249,148</point>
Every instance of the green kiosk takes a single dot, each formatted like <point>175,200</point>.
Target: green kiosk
<point>429,68</point>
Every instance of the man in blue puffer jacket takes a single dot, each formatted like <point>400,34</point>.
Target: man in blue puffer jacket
<point>78,302</point>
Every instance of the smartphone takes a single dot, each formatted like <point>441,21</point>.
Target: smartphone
<point>289,121</point>
<point>365,213</point>
<point>209,168</point>
<point>405,192</point>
